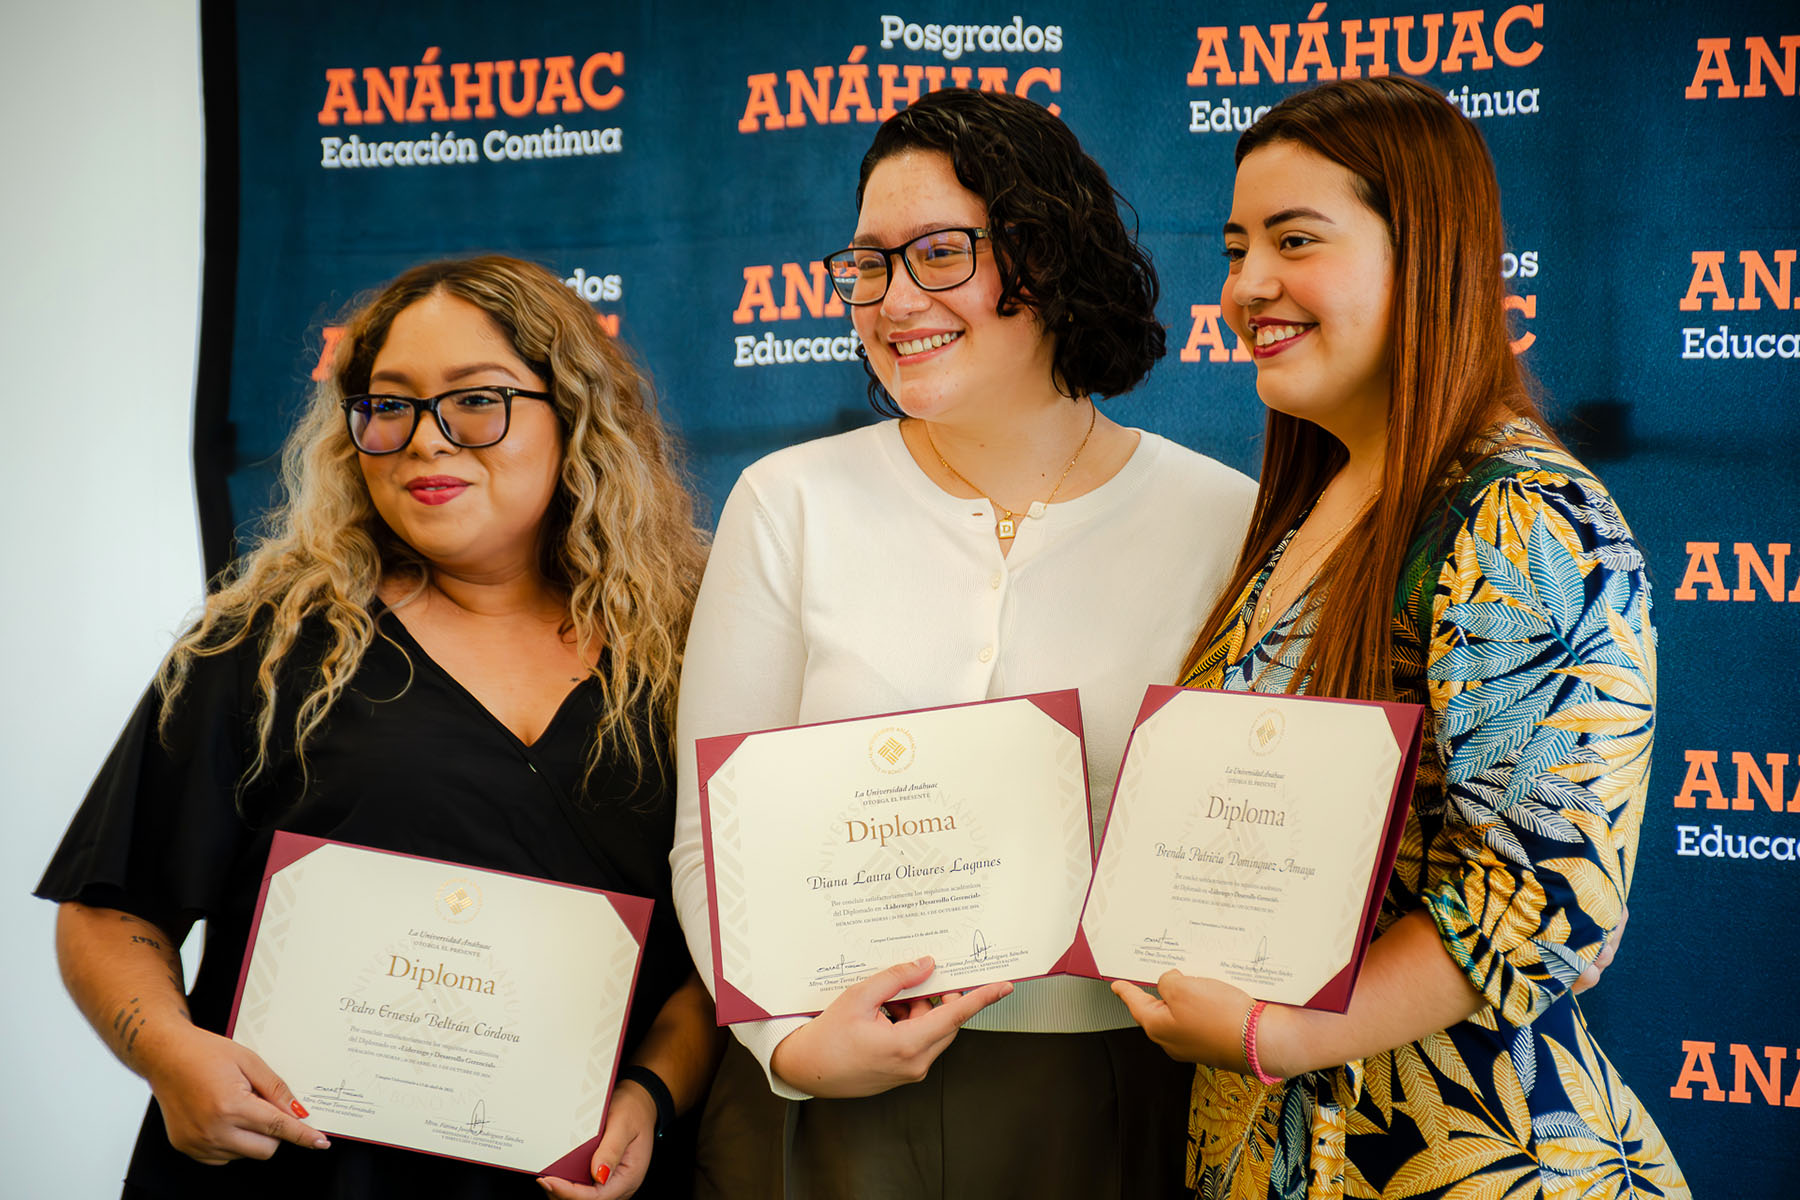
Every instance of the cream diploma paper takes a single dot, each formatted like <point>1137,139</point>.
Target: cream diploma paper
<point>1248,838</point>
<point>836,850</point>
<point>436,1007</point>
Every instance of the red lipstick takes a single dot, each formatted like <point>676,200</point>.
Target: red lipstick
<point>1274,348</point>
<point>436,489</point>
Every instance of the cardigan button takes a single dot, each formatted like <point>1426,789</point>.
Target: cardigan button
<point>987,653</point>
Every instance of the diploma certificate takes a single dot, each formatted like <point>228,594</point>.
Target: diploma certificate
<point>1250,839</point>
<point>436,1007</point>
<point>835,850</point>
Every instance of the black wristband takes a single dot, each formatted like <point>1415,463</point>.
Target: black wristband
<point>647,1079</point>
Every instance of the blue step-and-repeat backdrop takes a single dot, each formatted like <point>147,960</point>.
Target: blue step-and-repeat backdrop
<point>682,166</point>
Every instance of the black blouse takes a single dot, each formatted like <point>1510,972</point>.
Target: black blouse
<point>409,761</point>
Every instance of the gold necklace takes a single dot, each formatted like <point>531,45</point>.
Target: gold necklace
<point>1261,618</point>
<point>1007,526</point>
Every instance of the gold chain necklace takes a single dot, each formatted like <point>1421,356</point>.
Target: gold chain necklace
<point>1261,619</point>
<point>1007,527</point>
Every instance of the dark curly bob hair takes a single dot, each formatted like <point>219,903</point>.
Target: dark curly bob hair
<point>1053,220</point>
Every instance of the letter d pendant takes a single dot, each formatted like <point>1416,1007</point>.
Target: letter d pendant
<point>1007,528</point>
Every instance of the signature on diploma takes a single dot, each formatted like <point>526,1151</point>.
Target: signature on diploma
<point>978,949</point>
<point>1164,940</point>
<point>1262,953</point>
<point>478,1119</point>
<point>843,964</point>
<point>343,1091</point>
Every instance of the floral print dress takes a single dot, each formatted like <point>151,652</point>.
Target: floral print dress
<point>1523,621</point>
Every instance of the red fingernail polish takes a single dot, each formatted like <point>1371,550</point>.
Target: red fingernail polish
<point>600,1175</point>
<point>299,1109</point>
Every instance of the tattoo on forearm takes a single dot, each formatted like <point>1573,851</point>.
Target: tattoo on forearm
<point>151,942</point>
<point>127,1023</point>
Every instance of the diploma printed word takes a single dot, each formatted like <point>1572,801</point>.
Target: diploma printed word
<point>862,831</point>
<point>1218,808</point>
<point>402,967</point>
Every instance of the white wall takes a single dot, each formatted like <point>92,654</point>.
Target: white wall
<point>100,223</point>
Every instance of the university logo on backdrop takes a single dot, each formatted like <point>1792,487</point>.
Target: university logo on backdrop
<point>520,94</point>
<point>932,57</point>
<point>806,295</point>
<point>1276,55</point>
<point>913,59</point>
<point>531,98</point>
<point>1734,71</point>
<point>1766,287</point>
<point>1739,803</point>
<point>1756,821</point>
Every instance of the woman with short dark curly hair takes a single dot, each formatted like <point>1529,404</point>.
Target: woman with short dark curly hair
<point>1060,246</point>
<point>1001,536</point>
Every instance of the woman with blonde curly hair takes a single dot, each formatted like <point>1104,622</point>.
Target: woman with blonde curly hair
<point>460,639</point>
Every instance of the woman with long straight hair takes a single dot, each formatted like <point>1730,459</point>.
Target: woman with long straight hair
<point>1419,535</point>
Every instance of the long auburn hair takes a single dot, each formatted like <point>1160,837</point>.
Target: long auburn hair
<point>620,537</point>
<point>1423,168</point>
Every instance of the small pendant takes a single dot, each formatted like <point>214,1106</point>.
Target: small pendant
<point>1038,508</point>
<point>1007,528</point>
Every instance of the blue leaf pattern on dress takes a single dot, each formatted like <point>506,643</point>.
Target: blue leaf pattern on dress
<point>1531,642</point>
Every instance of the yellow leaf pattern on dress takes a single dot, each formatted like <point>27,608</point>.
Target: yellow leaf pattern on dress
<point>1328,1161</point>
<point>1422,1101</point>
<point>1599,717</point>
<point>1442,1167</point>
<point>1512,1100</point>
<point>1529,636</point>
<point>1621,683</point>
<point>1442,1053</point>
<point>1499,1186</point>
<point>1597,890</point>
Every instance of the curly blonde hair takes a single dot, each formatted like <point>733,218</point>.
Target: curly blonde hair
<point>620,537</point>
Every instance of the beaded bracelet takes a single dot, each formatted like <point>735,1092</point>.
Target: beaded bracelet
<point>1251,1020</point>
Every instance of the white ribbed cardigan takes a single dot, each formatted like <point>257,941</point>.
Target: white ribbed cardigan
<point>843,583</point>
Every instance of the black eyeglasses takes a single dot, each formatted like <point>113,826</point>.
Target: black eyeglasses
<point>470,417</point>
<point>937,262</point>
